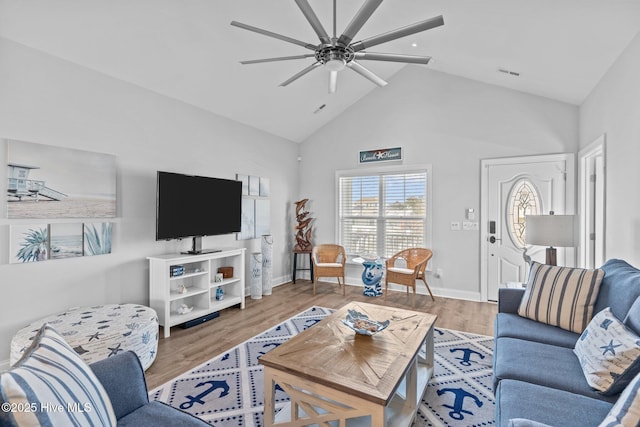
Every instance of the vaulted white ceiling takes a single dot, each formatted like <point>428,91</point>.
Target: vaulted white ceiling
<point>187,49</point>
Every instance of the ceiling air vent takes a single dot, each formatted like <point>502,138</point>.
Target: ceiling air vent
<point>319,108</point>
<point>509,72</point>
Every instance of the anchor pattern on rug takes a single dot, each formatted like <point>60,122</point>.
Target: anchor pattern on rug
<point>458,395</point>
<point>457,411</point>
<point>467,353</point>
<point>199,398</point>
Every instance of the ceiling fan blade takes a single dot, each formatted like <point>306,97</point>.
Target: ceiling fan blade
<point>392,57</point>
<point>399,33</point>
<point>333,81</point>
<point>280,58</point>
<point>358,21</point>
<point>300,74</point>
<point>272,34</point>
<point>366,73</point>
<point>308,13</point>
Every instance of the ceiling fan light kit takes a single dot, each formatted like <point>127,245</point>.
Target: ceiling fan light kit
<point>337,53</point>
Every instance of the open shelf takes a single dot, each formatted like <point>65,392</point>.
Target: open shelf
<point>198,278</point>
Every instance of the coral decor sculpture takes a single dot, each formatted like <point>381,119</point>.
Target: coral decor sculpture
<point>303,228</point>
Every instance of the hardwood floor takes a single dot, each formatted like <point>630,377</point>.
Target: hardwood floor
<point>187,348</point>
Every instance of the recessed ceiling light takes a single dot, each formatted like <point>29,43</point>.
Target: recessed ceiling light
<point>414,44</point>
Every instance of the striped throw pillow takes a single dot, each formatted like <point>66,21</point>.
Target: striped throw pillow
<point>561,296</point>
<point>51,386</point>
<point>626,411</point>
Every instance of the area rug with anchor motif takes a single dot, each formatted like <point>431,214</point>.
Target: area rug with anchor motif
<point>228,389</point>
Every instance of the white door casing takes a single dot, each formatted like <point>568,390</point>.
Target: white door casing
<point>551,177</point>
<point>591,180</point>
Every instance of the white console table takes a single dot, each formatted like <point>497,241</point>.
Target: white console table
<point>195,287</point>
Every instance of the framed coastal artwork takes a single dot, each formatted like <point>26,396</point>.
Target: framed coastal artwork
<point>97,238</point>
<point>42,242</point>
<point>45,181</point>
<point>256,207</point>
<point>65,240</point>
<point>29,243</point>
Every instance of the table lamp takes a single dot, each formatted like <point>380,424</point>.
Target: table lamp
<point>551,230</point>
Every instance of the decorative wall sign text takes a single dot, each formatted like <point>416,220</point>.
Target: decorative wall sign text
<point>381,155</point>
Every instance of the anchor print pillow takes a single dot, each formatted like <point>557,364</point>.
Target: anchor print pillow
<point>609,353</point>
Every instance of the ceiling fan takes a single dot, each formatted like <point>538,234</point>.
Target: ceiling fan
<point>336,53</point>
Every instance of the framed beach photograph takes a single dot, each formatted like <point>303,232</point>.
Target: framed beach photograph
<point>65,240</point>
<point>29,243</point>
<point>54,182</point>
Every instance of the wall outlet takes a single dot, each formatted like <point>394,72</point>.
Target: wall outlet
<point>455,225</point>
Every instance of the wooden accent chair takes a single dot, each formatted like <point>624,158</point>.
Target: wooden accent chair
<point>328,261</point>
<point>416,261</point>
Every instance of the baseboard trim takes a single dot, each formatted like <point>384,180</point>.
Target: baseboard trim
<point>421,290</point>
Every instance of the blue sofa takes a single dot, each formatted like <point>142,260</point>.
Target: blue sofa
<point>537,376</point>
<point>123,379</point>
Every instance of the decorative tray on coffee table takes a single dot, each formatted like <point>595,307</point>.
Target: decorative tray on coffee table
<point>362,325</point>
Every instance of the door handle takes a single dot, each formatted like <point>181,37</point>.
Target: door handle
<point>492,227</point>
<point>493,239</point>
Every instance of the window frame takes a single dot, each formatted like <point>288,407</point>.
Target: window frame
<point>387,170</point>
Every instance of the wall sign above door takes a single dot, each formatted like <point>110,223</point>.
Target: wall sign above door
<point>380,155</point>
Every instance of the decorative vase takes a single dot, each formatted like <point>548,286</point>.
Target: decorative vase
<point>266,246</point>
<point>371,277</point>
<point>256,275</point>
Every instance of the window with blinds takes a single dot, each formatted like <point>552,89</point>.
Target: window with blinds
<point>381,214</point>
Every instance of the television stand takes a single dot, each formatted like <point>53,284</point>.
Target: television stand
<point>191,293</point>
<point>196,248</point>
<point>202,251</point>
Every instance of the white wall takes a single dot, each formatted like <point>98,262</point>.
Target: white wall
<point>451,123</point>
<point>613,108</point>
<point>51,101</point>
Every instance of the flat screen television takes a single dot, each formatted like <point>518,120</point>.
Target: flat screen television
<point>196,206</point>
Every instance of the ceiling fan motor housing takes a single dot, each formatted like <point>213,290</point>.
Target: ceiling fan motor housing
<point>334,58</point>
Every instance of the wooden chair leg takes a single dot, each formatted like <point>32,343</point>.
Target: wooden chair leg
<point>428,289</point>
<point>314,288</point>
<point>343,285</point>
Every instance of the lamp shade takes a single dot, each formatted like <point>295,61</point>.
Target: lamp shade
<point>551,230</point>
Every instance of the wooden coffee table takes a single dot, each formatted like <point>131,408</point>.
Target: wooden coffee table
<point>336,377</point>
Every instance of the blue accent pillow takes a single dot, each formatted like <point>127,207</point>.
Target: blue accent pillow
<point>626,411</point>
<point>609,353</point>
<point>51,385</point>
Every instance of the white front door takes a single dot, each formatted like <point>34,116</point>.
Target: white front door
<point>511,189</point>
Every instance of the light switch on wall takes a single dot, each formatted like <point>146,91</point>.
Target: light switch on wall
<point>455,225</point>
<point>470,226</point>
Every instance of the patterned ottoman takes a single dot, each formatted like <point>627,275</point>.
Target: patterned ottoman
<point>98,332</point>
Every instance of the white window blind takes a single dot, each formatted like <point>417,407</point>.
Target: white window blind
<point>381,214</point>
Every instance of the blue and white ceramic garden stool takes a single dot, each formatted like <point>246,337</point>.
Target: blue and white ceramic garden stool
<point>371,277</point>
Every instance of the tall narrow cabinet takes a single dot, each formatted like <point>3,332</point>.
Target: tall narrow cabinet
<point>178,281</point>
